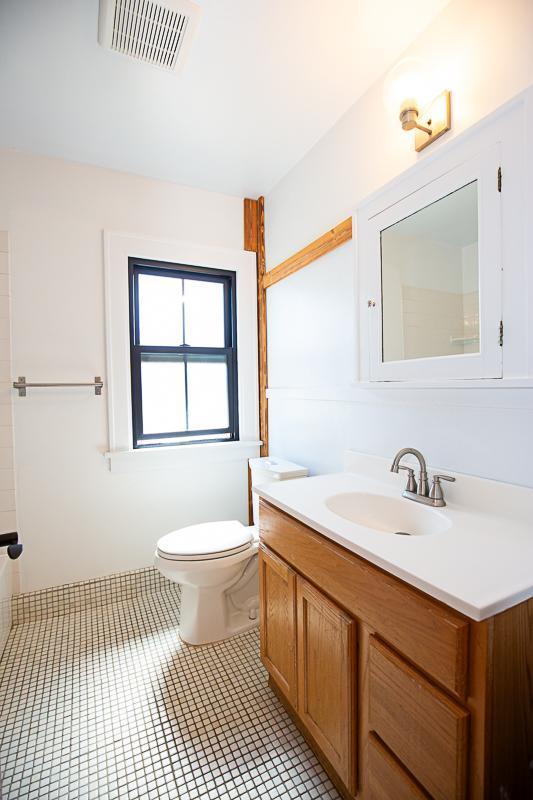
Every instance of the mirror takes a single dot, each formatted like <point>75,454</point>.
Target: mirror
<point>430,280</point>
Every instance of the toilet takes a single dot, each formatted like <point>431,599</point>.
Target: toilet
<point>215,564</point>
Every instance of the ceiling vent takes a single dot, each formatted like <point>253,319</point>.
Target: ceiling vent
<point>157,33</point>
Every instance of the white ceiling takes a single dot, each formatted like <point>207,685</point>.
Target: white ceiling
<point>264,80</point>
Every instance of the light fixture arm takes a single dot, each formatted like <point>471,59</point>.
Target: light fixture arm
<point>423,128</point>
<point>409,120</point>
<point>432,121</point>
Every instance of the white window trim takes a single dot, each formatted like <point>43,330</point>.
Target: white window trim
<point>118,248</point>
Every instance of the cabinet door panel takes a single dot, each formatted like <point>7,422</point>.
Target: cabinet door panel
<point>326,678</point>
<point>277,588</point>
<point>387,778</point>
<point>423,727</point>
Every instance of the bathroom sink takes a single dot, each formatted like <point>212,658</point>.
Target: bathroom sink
<point>387,514</point>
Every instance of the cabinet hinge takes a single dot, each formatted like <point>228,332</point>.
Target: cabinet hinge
<point>499,179</point>
<point>501,333</point>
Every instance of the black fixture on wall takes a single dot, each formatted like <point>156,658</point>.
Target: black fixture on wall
<point>11,541</point>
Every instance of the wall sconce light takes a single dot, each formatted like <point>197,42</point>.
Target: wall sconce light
<point>432,122</point>
<point>409,86</point>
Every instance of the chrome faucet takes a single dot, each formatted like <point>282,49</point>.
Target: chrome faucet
<point>420,492</point>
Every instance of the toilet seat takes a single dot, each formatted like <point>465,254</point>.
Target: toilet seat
<point>207,541</point>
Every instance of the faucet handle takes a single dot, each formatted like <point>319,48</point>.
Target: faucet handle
<point>436,489</point>
<point>411,480</point>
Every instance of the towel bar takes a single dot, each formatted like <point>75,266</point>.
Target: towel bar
<point>22,384</point>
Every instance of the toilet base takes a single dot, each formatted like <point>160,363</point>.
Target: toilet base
<point>232,630</point>
<point>206,617</point>
<point>219,597</point>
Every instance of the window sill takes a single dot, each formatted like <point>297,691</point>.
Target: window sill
<point>177,457</point>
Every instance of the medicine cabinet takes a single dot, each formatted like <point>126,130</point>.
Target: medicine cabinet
<point>430,273</point>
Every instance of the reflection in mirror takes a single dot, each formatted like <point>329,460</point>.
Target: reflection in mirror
<point>430,280</point>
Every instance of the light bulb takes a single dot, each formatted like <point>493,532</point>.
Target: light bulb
<point>407,86</point>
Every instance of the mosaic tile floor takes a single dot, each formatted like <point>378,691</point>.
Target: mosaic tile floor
<point>107,703</point>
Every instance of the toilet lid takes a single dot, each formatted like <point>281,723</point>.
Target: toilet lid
<point>205,541</point>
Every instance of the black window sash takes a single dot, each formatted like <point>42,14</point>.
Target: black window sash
<point>229,351</point>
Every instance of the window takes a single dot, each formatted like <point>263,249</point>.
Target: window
<point>183,343</point>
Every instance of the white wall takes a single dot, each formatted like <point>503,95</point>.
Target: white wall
<point>314,414</point>
<point>77,519</point>
<point>8,519</point>
<point>367,147</point>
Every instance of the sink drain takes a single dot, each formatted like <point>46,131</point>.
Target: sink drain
<point>401,533</point>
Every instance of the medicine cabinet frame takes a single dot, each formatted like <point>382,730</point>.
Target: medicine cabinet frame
<point>400,201</point>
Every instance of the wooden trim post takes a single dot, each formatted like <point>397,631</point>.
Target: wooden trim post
<point>262,327</point>
<point>254,241</point>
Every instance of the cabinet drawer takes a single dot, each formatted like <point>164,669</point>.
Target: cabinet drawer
<point>424,728</point>
<point>387,778</point>
<point>429,634</point>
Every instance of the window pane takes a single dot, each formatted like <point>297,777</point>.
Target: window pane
<point>203,303</point>
<point>160,310</point>
<point>207,382</point>
<point>163,393</point>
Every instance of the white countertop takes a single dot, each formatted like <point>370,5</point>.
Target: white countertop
<point>480,565</point>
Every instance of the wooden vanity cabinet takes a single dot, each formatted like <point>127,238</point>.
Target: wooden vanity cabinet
<point>327,678</point>
<point>400,696</point>
<point>319,682</point>
<point>277,591</point>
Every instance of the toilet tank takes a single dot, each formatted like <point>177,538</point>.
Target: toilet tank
<point>268,470</point>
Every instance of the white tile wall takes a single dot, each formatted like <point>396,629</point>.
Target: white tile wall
<point>7,480</point>
<point>6,588</point>
<point>8,520</point>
